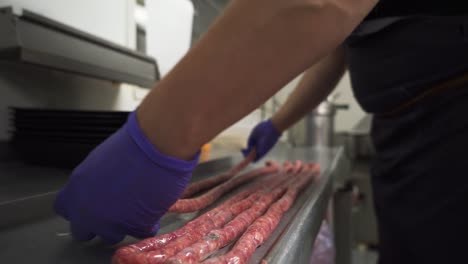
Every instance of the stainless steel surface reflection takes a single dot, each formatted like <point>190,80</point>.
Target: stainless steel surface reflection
<point>317,128</point>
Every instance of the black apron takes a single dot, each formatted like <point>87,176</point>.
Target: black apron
<point>420,172</point>
<point>392,60</point>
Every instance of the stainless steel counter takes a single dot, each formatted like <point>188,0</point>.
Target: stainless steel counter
<point>293,240</point>
<point>48,241</point>
<point>27,191</point>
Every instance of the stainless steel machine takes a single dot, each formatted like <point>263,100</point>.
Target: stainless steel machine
<point>317,128</point>
<point>37,41</point>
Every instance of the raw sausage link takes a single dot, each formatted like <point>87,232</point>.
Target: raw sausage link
<point>262,228</point>
<point>127,254</point>
<point>195,204</point>
<point>219,238</point>
<point>160,255</point>
<point>217,221</point>
<point>215,180</point>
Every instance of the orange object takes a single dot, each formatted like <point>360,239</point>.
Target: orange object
<point>205,152</point>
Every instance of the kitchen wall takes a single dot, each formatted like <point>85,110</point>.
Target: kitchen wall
<point>35,87</point>
<point>169,31</point>
<point>109,19</point>
<point>206,12</point>
<point>345,119</point>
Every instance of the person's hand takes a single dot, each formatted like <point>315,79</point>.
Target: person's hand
<point>122,188</point>
<point>262,138</point>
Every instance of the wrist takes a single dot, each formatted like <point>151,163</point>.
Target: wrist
<point>139,138</point>
<point>278,124</point>
<point>175,139</point>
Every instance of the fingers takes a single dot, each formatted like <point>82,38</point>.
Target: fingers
<point>251,151</point>
<point>246,151</point>
<point>257,158</point>
<point>59,207</point>
<point>252,141</point>
<point>80,233</point>
<point>111,238</point>
<point>155,229</point>
<point>251,155</point>
<point>259,151</point>
<point>144,234</point>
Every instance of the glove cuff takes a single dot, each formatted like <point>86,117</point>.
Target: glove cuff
<point>133,129</point>
<point>274,129</point>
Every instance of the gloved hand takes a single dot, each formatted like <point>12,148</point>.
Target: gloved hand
<point>262,138</point>
<point>122,188</point>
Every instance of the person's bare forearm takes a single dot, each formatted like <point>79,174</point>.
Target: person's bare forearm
<point>253,50</point>
<point>315,85</point>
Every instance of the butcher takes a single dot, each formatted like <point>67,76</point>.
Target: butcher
<point>408,62</point>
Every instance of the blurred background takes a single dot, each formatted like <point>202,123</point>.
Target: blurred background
<point>164,32</point>
<point>66,66</point>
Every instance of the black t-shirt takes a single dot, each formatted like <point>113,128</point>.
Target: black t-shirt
<point>403,47</point>
<point>398,8</point>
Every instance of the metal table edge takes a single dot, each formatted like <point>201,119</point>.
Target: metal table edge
<point>295,244</point>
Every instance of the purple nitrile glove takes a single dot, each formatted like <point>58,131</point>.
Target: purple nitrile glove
<point>123,187</point>
<point>262,138</point>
